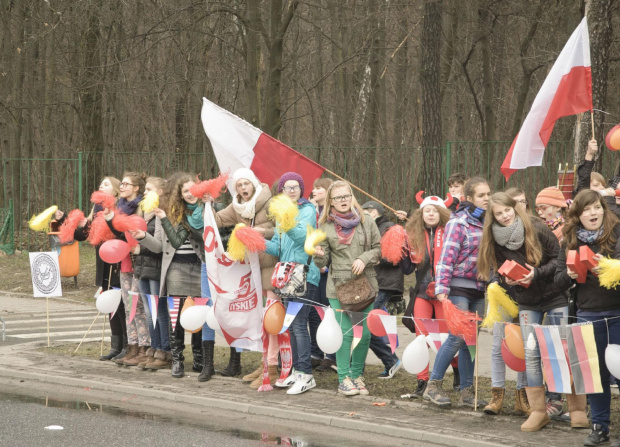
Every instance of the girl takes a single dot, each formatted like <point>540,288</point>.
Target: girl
<point>456,280</point>
<point>354,244</point>
<point>590,222</point>
<point>551,207</point>
<point>510,234</point>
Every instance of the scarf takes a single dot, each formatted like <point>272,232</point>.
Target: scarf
<point>512,236</point>
<point>129,207</point>
<point>472,210</point>
<point>247,210</point>
<point>345,225</point>
<point>555,223</point>
<point>589,236</point>
<point>195,219</point>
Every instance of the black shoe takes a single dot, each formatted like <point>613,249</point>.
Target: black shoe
<point>207,370</point>
<point>597,436</point>
<point>116,343</point>
<point>419,391</point>
<point>234,364</point>
<point>178,368</point>
<point>456,385</point>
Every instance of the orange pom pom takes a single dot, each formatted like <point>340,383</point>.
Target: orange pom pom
<point>252,239</point>
<point>123,222</point>
<point>460,322</point>
<point>68,227</point>
<point>392,244</point>
<point>99,231</point>
<point>213,187</point>
<point>103,199</point>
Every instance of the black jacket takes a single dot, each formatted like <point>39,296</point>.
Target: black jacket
<point>389,275</point>
<point>543,293</point>
<point>147,264</point>
<point>423,274</point>
<point>591,296</point>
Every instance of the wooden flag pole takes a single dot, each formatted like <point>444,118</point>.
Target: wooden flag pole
<point>592,120</point>
<point>91,325</point>
<point>476,360</point>
<point>361,190</point>
<point>47,302</point>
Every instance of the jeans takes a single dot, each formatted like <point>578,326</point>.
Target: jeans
<point>533,370</point>
<point>454,344</point>
<point>208,334</point>
<point>300,337</point>
<point>498,367</point>
<point>600,404</point>
<point>377,344</point>
<point>314,320</point>
<point>160,335</point>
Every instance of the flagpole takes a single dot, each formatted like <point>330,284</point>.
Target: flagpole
<point>592,120</point>
<point>361,190</point>
<point>103,333</point>
<point>89,328</point>
<point>476,360</point>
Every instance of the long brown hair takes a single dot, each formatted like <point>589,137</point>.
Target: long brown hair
<point>116,186</point>
<point>355,207</point>
<point>486,253</point>
<point>515,192</point>
<point>470,186</point>
<point>173,203</point>
<point>137,179</point>
<point>416,227</point>
<point>587,197</point>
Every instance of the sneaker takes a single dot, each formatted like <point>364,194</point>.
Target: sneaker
<point>388,373</point>
<point>597,436</point>
<point>468,399</point>
<point>289,381</point>
<point>361,386</point>
<point>348,388</point>
<point>303,383</point>
<point>434,393</point>
<point>555,409</point>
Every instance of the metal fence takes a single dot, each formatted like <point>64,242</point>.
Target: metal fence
<point>7,234</point>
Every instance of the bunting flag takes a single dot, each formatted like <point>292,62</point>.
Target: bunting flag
<point>292,309</point>
<point>173,309</point>
<point>357,321</point>
<point>320,310</point>
<point>389,323</point>
<point>583,358</point>
<point>553,358</point>
<point>145,303</point>
<point>201,301</point>
<point>470,341</point>
<point>133,302</point>
<point>153,302</point>
<point>434,330</point>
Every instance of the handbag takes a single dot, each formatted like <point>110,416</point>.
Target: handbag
<point>289,278</point>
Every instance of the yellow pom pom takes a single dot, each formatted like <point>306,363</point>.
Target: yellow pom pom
<point>501,306</point>
<point>236,249</point>
<point>609,273</point>
<point>150,202</point>
<point>284,211</point>
<point>313,238</point>
<point>42,221</point>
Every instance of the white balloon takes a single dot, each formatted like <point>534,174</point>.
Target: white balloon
<point>212,321</point>
<point>108,301</point>
<point>329,333</point>
<point>193,318</point>
<point>612,359</point>
<point>415,358</point>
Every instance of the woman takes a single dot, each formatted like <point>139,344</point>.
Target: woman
<point>289,247</point>
<point>354,245</point>
<point>551,207</point>
<point>457,280</point>
<point>426,229</point>
<point>178,236</point>
<point>519,195</point>
<point>590,223</point>
<point>511,235</point>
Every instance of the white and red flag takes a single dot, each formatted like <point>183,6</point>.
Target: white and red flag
<point>566,91</point>
<point>238,144</point>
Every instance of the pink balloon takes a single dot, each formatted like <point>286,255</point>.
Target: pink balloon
<point>512,361</point>
<point>114,251</point>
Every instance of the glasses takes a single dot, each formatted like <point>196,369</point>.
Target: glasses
<point>344,198</point>
<point>291,188</point>
<point>125,184</point>
<point>542,207</point>
<point>244,185</point>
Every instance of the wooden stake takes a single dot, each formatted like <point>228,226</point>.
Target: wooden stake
<point>47,302</point>
<point>102,333</point>
<point>91,325</point>
<point>360,190</point>
<point>476,368</point>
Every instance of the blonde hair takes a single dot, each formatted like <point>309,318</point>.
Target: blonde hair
<point>416,227</point>
<point>596,177</point>
<point>355,206</point>
<point>116,188</point>
<point>486,253</point>
<point>157,182</point>
<point>323,182</point>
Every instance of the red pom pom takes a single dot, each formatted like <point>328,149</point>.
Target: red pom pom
<point>392,244</point>
<point>123,222</point>
<point>252,239</point>
<point>103,199</point>
<point>213,187</point>
<point>68,227</point>
<point>460,322</point>
<point>99,231</point>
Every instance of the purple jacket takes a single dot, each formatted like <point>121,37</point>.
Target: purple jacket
<point>457,265</point>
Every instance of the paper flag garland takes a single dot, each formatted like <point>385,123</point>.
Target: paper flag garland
<point>292,310</point>
<point>584,359</point>
<point>173,309</point>
<point>153,301</point>
<point>553,358</point>
<point>357,321</point>
<point>389,323</point>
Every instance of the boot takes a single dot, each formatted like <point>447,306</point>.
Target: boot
<point>497,400</point>
<point>467,398</point>
<point>150,352</point>
<point>253,375</point>
<point>116,346</point>
<point>273,376</point>
<point>234,364</point>
<point>132,352</point>
<point>539,417</point>
<point>521,402</point>
<point>456,385</point>
<point>177,345</point>
<point>161,360</point>
<point>198,363</point>
<point>435,393</point>
<point>138,358</point>
<point>577,407</point>
<point>121,355</point>
<point>207,369</point>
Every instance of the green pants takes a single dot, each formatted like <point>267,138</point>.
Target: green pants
<point>350,364</point>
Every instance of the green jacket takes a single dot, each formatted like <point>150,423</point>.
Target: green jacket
<point>343,256</point>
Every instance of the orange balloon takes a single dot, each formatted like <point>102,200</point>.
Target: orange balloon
<point>514,340</point>
<point>274,318</point>
<point>612,140</point>
<point>189,302</point>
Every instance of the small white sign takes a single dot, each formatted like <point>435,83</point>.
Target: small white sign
<point>45,274</point>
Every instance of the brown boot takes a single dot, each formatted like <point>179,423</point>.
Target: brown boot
<point>139,358</point>
<point>132,352</point>
<point>497,401</point>
<point>577,407</point>
<point>273,376</point>
<point>539,417</point>
<point>161,360</point>
<point>149,358</point>
<point>254,374</point>
<point>521,402</point>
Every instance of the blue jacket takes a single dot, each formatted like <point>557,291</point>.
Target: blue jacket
<point>289,247</point>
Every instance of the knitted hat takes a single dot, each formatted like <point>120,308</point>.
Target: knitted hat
<point>551,196</point>
<point>371,204</point>
<point>433,200</point>
<point>246,174</point>
<point>291,176</point>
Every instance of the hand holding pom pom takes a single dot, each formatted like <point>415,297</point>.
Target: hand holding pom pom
<point>313,238</point>
<point>284,211</point>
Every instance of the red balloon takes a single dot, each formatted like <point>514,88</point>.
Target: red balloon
<point>114,251</point>
<point>512,361</point>
<point>374,323</point>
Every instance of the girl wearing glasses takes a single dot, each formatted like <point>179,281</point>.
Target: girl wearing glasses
<point>551,207</point>
<point>354,244</point>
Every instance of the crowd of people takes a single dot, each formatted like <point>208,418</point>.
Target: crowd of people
<point>454,247</point>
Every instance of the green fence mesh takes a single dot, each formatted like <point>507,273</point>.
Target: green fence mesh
<point>7,234</point>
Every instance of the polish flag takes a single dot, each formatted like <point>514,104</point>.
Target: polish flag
<point>566,91</point>
<point>238,144</point>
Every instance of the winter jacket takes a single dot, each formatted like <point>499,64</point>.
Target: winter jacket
<point>543,293</point>
<point>365,245</point>
<point>147,264</point>
<point>289,247</point>
<point>389,275</point>
<point>591,296</point>
<point>584,170</point>
<point>423,274</point>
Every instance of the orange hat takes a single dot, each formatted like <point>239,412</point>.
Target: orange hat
<point>551,196</point>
